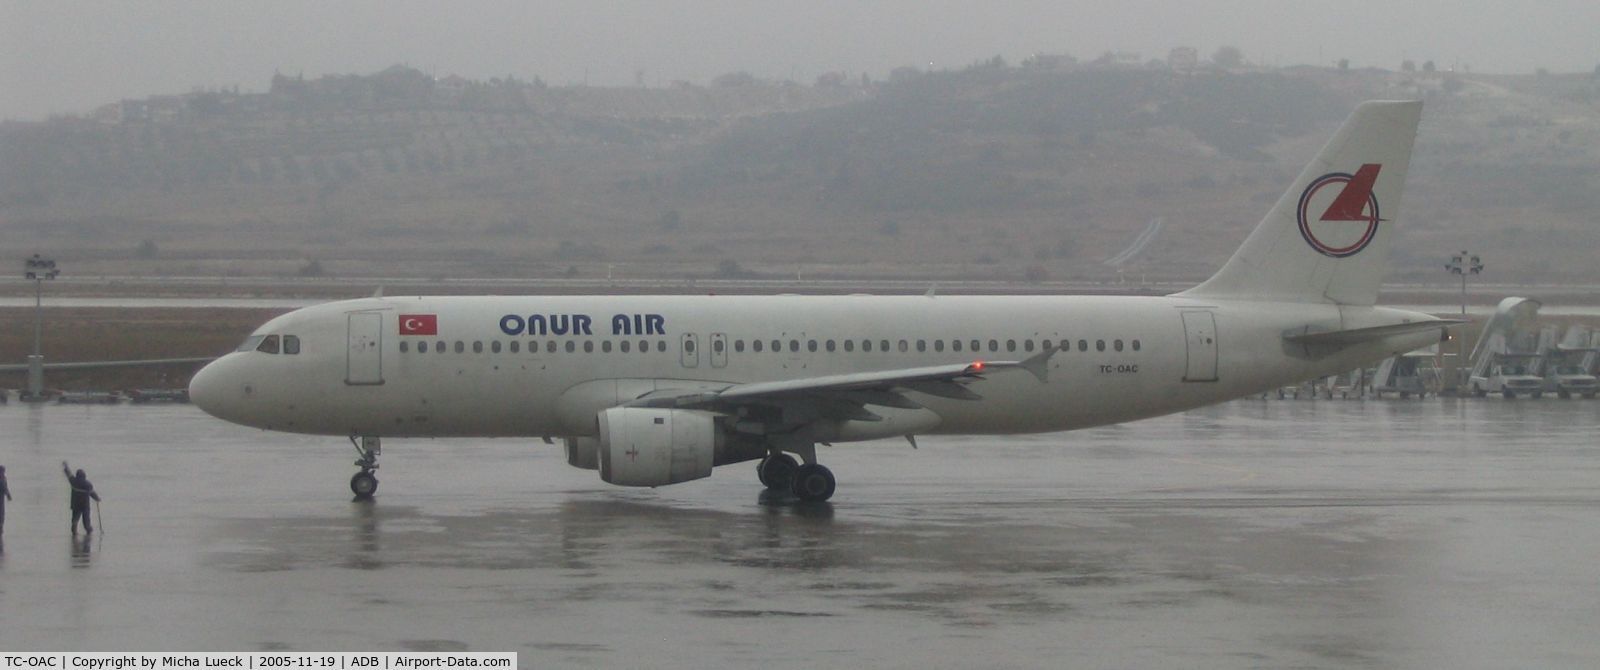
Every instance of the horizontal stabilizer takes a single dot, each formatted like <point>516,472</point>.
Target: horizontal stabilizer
<point>1345,338</point>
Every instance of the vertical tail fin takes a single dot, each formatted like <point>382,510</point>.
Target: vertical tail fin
<point>1327,238</point>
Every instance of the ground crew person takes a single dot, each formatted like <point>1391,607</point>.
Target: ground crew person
<point>5,494</point>
<point>82,491</point>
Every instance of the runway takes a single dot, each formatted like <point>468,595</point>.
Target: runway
<point>1440,533</point>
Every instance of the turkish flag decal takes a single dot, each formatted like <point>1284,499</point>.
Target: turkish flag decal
<point>419,324</point>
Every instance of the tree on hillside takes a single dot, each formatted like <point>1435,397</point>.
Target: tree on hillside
<point>1228,57</point>
<point>734,79</point>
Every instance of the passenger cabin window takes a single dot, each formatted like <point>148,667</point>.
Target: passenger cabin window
<point>405,347</point>
<point>269,345</point>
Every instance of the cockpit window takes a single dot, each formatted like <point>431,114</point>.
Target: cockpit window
<point>291,344</point>
<point>269,345</point>
<point>250,343</point>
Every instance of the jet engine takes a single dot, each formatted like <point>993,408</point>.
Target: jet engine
<point>582,452</point>
<point>641,446</point>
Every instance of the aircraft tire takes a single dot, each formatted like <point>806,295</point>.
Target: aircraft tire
<point>364,485</point>
<point>1508,393</point>
<point>813,483</point>
<point>777,471</point>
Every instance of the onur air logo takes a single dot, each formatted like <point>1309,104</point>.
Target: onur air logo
<point>1349,218</point>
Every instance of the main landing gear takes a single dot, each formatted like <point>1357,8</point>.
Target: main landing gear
<point>811,482</point>
<point>364,484</point>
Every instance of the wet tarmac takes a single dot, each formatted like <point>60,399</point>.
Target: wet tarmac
<point>1442,533</point>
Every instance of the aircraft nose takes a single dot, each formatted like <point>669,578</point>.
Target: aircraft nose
<point>206,390</point>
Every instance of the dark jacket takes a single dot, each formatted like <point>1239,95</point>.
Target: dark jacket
<point>82,490</point>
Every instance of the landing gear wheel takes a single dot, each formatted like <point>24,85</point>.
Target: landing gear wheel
<point>777,471</point>
<point>813,483</point>
<point>364,484</point>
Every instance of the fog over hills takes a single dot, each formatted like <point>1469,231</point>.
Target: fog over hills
<point>1036,170</point>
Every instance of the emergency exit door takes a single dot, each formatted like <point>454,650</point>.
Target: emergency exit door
<point>719,350</point>
<point>364,360</point>
<point>690,351</point>
<point>1200,335</point>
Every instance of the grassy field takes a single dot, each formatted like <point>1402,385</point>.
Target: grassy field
<point>97,334</point>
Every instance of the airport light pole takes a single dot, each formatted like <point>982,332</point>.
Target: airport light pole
<point>38,269</point>
<point>1463,265</point>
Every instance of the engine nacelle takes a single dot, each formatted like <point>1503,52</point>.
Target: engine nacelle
<point>582,452</point>
<point>641,446</point>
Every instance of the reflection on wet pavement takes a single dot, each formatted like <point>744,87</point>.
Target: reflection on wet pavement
<point>1308,534</point>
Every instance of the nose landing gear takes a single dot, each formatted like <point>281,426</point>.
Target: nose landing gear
<point>364,484</point>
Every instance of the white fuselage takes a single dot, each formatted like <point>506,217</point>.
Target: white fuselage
<point>488,372</point>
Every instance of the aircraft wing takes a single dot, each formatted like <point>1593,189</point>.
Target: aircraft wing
<point>91,365</point>
<point>846,396</point>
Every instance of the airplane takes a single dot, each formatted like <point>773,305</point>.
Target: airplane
<point>658,390</point>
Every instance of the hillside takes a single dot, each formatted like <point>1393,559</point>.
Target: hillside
<point>993,171</point>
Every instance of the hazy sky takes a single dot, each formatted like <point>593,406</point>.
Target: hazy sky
<point>73,55</point>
